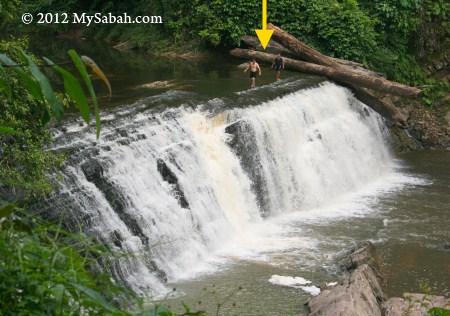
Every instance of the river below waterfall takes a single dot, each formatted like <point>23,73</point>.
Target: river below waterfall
<point>406,216</point>
<point>246,200</point>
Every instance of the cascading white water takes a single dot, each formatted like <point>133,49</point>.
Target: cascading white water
<point>175,187</point>
<point>313,146</point>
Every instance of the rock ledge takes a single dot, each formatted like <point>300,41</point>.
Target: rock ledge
<point>362,292</point>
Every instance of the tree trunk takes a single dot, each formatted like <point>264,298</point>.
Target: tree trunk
<point>272,47</point>
<point>299,48</point>
<point>349,68</point>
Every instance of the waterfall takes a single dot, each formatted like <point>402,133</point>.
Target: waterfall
<point>172,187</point>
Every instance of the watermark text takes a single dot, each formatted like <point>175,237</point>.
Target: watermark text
<point>88,19</point>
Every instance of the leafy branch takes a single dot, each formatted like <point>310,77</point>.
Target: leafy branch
<point>38,86</point>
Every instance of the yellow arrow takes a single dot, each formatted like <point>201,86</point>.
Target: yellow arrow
<point>264,35</point>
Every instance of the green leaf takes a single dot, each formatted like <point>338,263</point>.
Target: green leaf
<point>55,106</point>
<point>6,60</point>
<point>23,184</point>
<point>4,85</point>
<point>74,90</point>
<point>437,311</point>
<point>58,291</point>
<point>45,116</point>
<point>97,297</point>
<point>30,84</point>
<point>82,70</point>
<point>7,130</point>
<point>19,226</point>
<point>6,210</point>
<point>186,308</point>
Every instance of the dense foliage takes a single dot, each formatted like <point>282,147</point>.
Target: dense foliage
<point>24,166</point>
<point>388,35</point>
<point>28,104</point>
<point>43,271</point>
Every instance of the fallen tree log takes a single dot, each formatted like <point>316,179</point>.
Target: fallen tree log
<point>272,46</point>
<point>338,74</point>
<point>297,47</point>
<point>307,53</point>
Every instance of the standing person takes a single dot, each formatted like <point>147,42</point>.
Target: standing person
<point>278,63</point>
<point>254,67</point>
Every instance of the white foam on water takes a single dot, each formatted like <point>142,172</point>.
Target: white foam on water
<point>331,284</point>
<point>313,290</point>
<point>295,282</point>
<point>288,280</point>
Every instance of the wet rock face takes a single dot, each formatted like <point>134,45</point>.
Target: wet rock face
<point>425,128</point>
<point>425,131</point>
<point>360,293</point>
<point>402,142</point>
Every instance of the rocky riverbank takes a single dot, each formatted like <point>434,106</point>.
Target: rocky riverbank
<point>426,128</point>
<point>362,292</point>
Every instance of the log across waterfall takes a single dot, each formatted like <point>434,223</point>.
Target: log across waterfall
<point>337,74</point>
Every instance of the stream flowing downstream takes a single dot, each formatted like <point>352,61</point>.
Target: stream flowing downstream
<point>246,200</point>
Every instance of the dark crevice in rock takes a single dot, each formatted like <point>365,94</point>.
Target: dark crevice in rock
<point>159,273</point>
<point>242,142</point>
<point>172,179</point>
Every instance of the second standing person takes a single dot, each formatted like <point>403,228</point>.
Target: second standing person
<point>278,63</point>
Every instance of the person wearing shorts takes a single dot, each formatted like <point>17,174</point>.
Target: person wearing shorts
<point>254,68</point>
<point>278,63</point>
